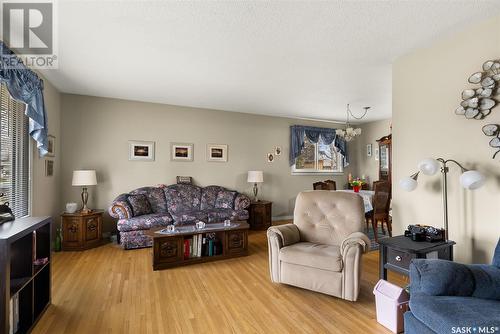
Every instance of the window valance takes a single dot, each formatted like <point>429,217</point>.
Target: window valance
<point>314,134</point>
<point>25,86</point>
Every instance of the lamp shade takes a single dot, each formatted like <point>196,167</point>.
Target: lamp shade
<point>472,179</point>
<point>84,178</point>
<point>408,183</point>
<point>429,166</point>
<point>255,176</point>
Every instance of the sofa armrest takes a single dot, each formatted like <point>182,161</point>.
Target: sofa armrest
<point>354,240</point>
<point>440,278</point>
<point>241,202</point>
<point>287,234</point>
<point>120,208</point>
<point>446,278</point>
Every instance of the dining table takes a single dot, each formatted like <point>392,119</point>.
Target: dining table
<point>367,196</point>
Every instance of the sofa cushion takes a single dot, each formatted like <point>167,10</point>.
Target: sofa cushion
<point>208,196</point>
<point>182,198</point>
<point>144,222</point>
<point>192,216</point>
<point>313,255</point>
<point>219,215</point>
<point>156,197</point>
<point>225,199</point>
<point>140,204</point>
<point>442,313</point>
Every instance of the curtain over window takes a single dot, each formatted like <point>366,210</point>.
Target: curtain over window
<point>314,134</point>
<point>25,86</point>
<point>14,149</point>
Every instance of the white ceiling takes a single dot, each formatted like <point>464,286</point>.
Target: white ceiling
<point>299,59</point>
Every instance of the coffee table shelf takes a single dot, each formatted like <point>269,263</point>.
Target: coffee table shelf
<point>168,248</point>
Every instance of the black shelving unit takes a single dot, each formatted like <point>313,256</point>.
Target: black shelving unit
<point>22,242</point>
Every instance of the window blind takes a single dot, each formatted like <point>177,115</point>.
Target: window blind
<point>14,154</point>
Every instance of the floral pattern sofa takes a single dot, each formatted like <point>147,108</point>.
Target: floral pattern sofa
<point>177,204</point>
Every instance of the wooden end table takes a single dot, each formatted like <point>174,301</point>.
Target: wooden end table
<point>396,253</point>
<point>260,215</point>
<point>81,231</point>
<point>169,249</point>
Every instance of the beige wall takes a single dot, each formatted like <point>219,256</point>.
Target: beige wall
<point>96,131</point>
<point>46,190</point>
<point>370,133</point>
<point>427,86</point>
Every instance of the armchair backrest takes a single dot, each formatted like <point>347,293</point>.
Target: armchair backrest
<point>328,217</point>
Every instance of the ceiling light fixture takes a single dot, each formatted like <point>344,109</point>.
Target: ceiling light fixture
<point>349,133</point>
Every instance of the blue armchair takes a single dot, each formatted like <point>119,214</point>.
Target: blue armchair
<point>448,297</point>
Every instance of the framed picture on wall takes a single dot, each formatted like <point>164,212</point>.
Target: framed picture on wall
<point>376,153</point>
<point>51,146</point>
<point>181,151</point>
<point>369,150</point>
<point>217,152</point>
<point>49,167</point>
<point>141,150</point>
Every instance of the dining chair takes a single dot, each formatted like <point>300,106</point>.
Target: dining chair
<point>332,184</point>
<point>324,185</point>
<point>380,212</point>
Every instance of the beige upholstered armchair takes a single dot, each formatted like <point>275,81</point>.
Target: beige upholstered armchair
<point>322,249</point>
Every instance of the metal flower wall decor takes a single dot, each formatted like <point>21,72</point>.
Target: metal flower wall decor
<point>477,103</point>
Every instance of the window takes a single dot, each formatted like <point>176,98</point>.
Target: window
<point>318,158</point>
<point>14,154</point>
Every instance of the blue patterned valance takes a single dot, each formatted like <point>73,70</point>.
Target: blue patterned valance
<point>314,134</point>
<point>25,86</point>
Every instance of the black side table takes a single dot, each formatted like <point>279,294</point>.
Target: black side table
<point>397,252</point>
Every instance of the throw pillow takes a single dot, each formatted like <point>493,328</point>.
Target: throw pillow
<point>140,204</point>
<point>225,199</point>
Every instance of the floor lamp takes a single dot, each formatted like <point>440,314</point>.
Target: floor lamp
<point>470,179</point>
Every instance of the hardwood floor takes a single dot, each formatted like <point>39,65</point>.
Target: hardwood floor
<point>109,290</point>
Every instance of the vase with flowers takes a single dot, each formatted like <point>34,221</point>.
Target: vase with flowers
<point>356,184</point>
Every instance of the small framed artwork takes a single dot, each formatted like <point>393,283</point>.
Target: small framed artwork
<point>270,157</point>
<point>184,180</point>
<point>217,152</point>
<point>141,150</point>
<point>181,151</point>
<point>376,154</point>
<point>49,167</point>
<point>369,150</point>
<point>51,146</point>
<point>277,150</point>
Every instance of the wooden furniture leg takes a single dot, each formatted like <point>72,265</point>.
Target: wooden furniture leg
<point>374,226</point>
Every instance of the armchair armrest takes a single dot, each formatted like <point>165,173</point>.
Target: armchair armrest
<point>278,237</point>
<point>355,239</point>
<point>287,234</point>
<point>445,278</point>
<point>241,202</point>
<point>120,208</point>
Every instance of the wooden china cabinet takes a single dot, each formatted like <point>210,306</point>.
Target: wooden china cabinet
<point>385,158</point>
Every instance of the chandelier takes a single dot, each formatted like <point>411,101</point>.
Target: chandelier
<point>349,133</point>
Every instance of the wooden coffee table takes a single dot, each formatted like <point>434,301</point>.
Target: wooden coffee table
<point>169,248</point>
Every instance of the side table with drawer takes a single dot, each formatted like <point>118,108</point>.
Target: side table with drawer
<point>396,253</point>
<point>81,231</point>
<point>260,215</point>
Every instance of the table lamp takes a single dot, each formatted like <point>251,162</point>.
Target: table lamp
<point>470,179</point>
<point>255,176</point>
<point>84,178</point>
